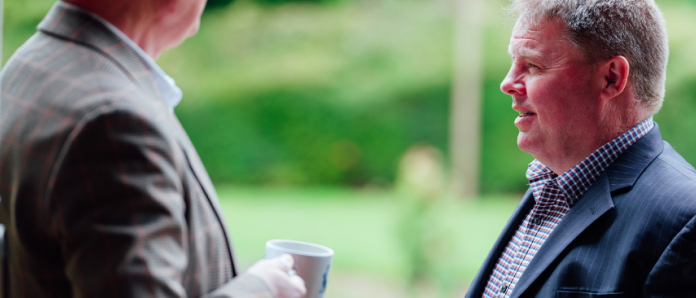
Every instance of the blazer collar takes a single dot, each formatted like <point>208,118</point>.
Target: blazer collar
<point>626,169</point>
<point>620,176</point>
<point>79,27</point>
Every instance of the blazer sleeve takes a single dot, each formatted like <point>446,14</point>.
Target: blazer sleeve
<point>119,213</point>
<point>675,271</point>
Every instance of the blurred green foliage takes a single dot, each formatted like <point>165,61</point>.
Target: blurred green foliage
<point>361,226</point>
<point>307,93</point>
<point>294,137</point>
<point>214,4</point>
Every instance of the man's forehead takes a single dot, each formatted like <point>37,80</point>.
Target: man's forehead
<point>535,38</point>
<point>525,45</point>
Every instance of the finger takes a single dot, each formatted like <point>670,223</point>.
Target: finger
<point>288,261</point>
<point>299,283</point>
<point>283,263</point>
<point>260,264</point>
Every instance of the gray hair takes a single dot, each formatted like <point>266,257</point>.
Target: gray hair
<point>603,29</point>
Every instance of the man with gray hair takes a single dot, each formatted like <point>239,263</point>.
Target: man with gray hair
<point>611,208</point>
<point>103,194</point>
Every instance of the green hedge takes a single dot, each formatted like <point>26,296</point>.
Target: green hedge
<point>297,137</point>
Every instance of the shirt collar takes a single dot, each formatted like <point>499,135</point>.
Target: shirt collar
<point>579,178</point>
<point>170,92</point>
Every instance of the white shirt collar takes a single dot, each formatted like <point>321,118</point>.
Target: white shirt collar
<point>171,94</point>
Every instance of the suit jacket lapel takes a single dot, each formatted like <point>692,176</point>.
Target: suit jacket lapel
<point>592,205</point>
<point>596,201</point>
<point>206,184</point>
<point>479,283</point>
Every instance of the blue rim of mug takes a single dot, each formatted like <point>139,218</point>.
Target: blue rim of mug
<point>274,244</point>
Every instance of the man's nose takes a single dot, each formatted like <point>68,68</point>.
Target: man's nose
<point>512,83</point>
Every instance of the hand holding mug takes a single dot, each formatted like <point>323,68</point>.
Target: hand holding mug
<point>312,262</point>
<point>277,275</point>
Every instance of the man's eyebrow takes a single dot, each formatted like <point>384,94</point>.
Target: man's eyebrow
<point>524,53</point>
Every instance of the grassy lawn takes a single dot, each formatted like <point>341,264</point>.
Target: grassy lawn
<point>361,226</point>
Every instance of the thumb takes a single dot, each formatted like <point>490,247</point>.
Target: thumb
<point>287,262</point>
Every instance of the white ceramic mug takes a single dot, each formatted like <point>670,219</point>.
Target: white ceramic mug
<point>312,262</point>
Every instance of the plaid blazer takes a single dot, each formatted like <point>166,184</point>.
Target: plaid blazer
<point>103,194</point>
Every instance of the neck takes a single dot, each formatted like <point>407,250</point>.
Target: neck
<point>133,18</point>
<point>616,119</point>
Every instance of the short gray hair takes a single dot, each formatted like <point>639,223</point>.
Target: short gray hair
<point>603,29</point>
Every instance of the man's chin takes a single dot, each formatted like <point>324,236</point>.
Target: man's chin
<point>526,142</point>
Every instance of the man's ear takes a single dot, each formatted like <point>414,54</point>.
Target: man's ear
<point>614,76</point>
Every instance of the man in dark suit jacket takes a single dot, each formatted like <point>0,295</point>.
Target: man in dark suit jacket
<point>611,209</point>
<point>103,194</point>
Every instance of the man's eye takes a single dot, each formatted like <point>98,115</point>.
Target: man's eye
<point>530,65</point>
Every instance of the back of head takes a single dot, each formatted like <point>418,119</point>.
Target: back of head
<point>603,29</point>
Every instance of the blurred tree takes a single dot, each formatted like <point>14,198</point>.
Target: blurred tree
<point>465,112</point>
<point>288,1</point>
<point>2,13</point>
<point>212,4</point>
<point>425,226</point>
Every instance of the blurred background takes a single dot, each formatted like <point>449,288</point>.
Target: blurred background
<point>352,124</point>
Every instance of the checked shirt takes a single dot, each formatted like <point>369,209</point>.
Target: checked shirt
<point>554,196</point>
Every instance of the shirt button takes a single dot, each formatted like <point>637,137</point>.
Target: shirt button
<point>503,289</point>
<point>537,221</point>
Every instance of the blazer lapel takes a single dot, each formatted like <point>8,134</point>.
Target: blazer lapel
<point>596,201</point>
<point>592,205</point>
<point>624,172</point>
<point>478,285</point>
<point>201,174</point>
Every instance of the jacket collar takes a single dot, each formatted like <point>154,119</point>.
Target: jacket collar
<point>77,26</point>
<point>626,169</point>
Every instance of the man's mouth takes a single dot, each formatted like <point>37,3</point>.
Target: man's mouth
<point>525,120</point>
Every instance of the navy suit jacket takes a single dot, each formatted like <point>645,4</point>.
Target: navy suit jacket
<point>632,234</point>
